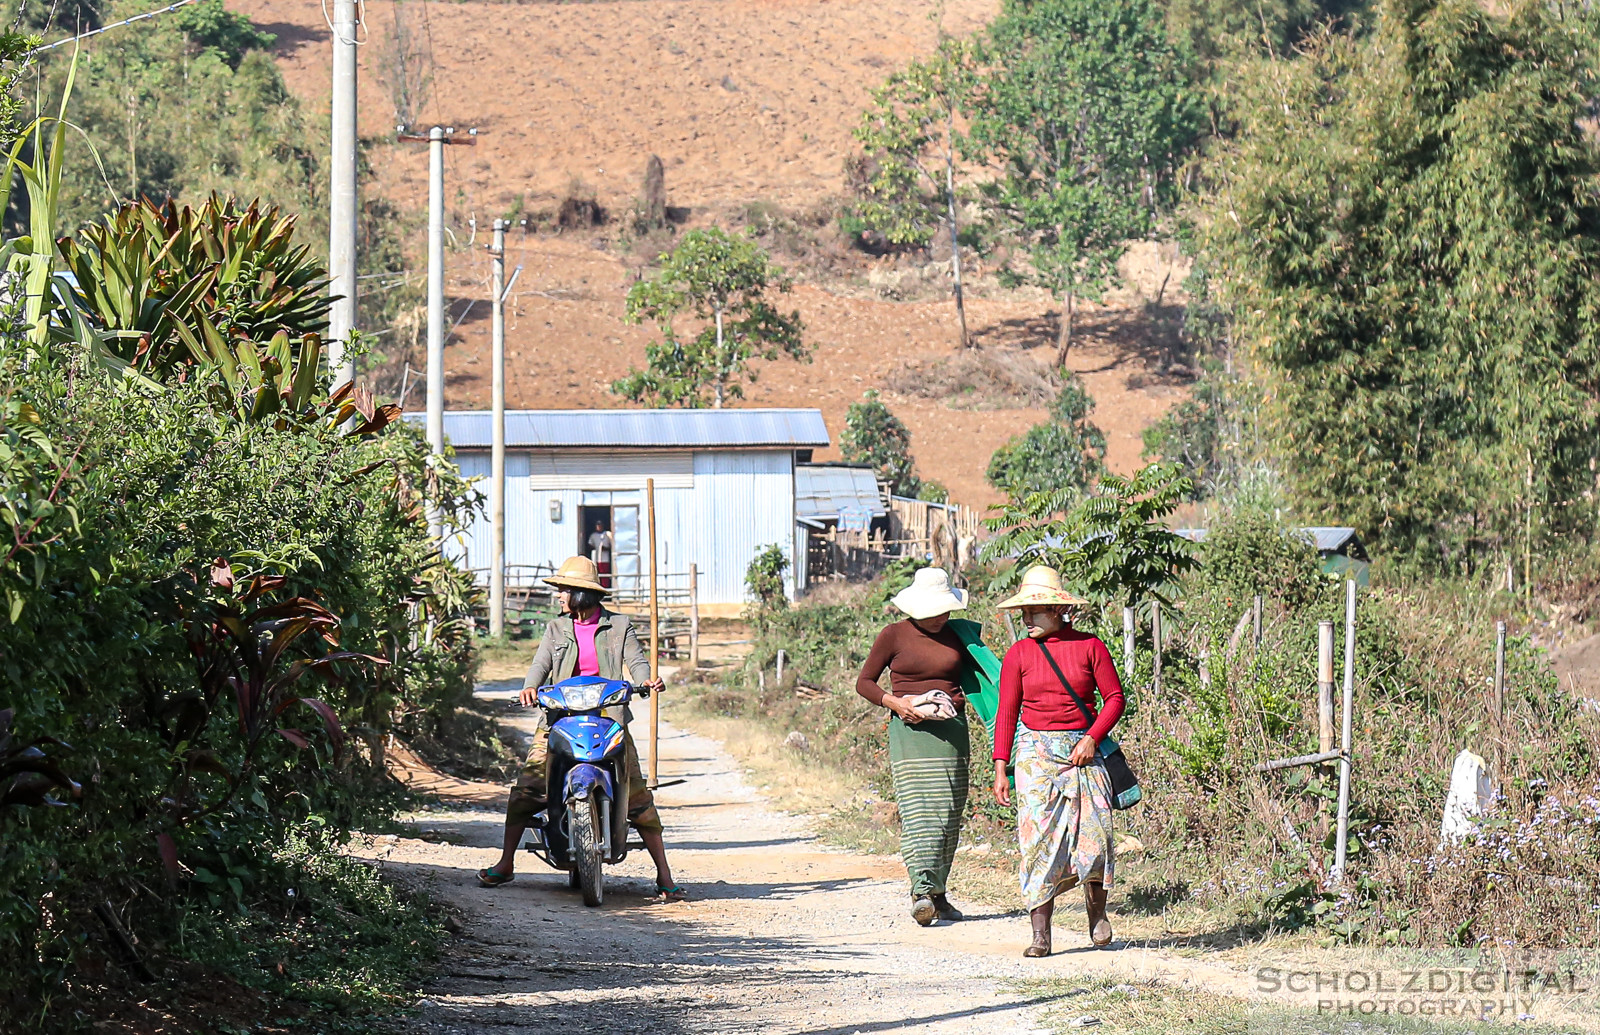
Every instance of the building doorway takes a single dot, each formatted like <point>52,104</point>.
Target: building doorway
<point>608,523</point>
<point>596,541</point>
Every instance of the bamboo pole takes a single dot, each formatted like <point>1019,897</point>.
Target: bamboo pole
<point>1499,696</point>
<point>1297,760</point>
<point>1325,686</point>
<point>694,618</point>
<point>655,639</point>
<point>1342,843</point>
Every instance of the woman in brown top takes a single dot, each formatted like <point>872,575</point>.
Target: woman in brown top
<point>928,745</point>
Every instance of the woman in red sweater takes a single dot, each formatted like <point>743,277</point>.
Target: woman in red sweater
<point>1063,793</point>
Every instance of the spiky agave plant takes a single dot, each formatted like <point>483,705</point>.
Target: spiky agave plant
<point>150,272</point>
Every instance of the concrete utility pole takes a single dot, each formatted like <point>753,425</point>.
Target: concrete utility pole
<point>436,292</point>
<point>497,462</point>
<point>342,206</point>
<point>437,138</point>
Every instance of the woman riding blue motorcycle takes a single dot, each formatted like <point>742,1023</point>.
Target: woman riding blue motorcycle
<point>586,640</point>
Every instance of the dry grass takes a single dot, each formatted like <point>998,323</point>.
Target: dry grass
<point>978,379</point>
<point>1150,1007</point>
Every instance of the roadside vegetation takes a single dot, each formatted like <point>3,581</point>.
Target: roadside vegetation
<point>1222,852</point>
<point>220,597</point>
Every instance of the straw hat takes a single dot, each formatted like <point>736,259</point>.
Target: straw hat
<point>577,573</point>
<point>1041,587</point>
<point>929,594</point>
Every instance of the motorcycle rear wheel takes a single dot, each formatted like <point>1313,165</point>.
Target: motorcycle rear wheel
<point>586,850</point>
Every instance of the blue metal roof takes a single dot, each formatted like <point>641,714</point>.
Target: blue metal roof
<point>1328,539</point>
<point>638,429</point>
<point>825,492</point>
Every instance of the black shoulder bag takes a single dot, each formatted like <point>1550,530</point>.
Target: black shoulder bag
<point>1125,790</point>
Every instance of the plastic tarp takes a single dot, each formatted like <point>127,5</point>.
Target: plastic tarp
<point>980,681</point>
<point>1471,793</point>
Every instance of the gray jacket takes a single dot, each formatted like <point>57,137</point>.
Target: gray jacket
<point>616,642</point>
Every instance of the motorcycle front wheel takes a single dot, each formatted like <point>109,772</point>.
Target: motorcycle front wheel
<point>585,826</point>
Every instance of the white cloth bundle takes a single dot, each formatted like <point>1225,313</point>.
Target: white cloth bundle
<point>935,704</point>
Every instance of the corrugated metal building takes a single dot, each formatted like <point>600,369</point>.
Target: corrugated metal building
<point>1340,548</point>
<point>724,485</point>
<point>837,495</point>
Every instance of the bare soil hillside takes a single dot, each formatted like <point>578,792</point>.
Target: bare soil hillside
<point>748,104</point>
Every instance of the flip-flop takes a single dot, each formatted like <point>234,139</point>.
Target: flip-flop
<point>672,894</point>
<point>490,879</point>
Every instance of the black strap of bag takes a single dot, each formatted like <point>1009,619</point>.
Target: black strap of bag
<point>1125,790</point>
<point>1090,712</point>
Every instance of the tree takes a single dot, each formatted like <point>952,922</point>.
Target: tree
<point>876,437</point>
<point>1067,452</point>
<point>1114,546</point>
<point>911,140</point>
<point>1085,111</point>
<point>181,108</point>
<point>725,278</point>
<point>1407,230</point>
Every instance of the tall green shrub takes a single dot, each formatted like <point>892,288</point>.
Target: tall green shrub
<point>1407,230</point>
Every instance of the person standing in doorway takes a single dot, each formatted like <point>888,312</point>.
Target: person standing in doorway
<point>1047,722</point>
<point>601,546</point>
<point>928,740</point>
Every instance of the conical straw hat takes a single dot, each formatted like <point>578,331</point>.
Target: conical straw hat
<point>1041,587</point>
<point>577,573</point>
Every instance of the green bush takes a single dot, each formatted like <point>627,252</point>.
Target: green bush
<point>1249,553</point>
<point>763,578</point>
<point>1068,453</point>
<point>181,571</point>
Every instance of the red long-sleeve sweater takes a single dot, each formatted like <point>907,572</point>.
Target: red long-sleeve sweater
<point>1029,688</point>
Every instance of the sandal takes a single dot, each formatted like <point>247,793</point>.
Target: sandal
<point>490,879</point>
<point>672,894</point>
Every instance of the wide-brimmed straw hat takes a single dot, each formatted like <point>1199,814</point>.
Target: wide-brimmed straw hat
<point>577,573</point>
<point>929,594</point>
<point>1041,587</point>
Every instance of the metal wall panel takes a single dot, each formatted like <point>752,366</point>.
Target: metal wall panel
<point>745,502</point>
<point>739,503</point>
<point>585,469</point>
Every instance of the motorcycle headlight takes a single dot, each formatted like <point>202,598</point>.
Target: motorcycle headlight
<point>618,695</point>
<point>573,698</point>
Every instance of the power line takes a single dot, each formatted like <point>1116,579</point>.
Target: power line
<point>114,25</point>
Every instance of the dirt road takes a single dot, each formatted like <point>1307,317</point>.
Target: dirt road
<point>781,935</point>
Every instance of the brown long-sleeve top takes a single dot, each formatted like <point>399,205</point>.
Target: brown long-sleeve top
<point>1029,689</point>
<point>917,663</point>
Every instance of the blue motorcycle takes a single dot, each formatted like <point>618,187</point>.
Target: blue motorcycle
<point>586,823</point>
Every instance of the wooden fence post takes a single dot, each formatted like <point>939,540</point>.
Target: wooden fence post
<point>694,618</point>
<point>655,640</point>
<point>1255,612</point>
<point>1155,644</point>
<point>1127,642</point>
<point>1341,844</point>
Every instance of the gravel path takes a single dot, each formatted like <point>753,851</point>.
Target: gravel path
<point>781,935</point>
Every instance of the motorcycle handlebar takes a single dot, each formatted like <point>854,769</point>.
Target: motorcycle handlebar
<point>639,690</point>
